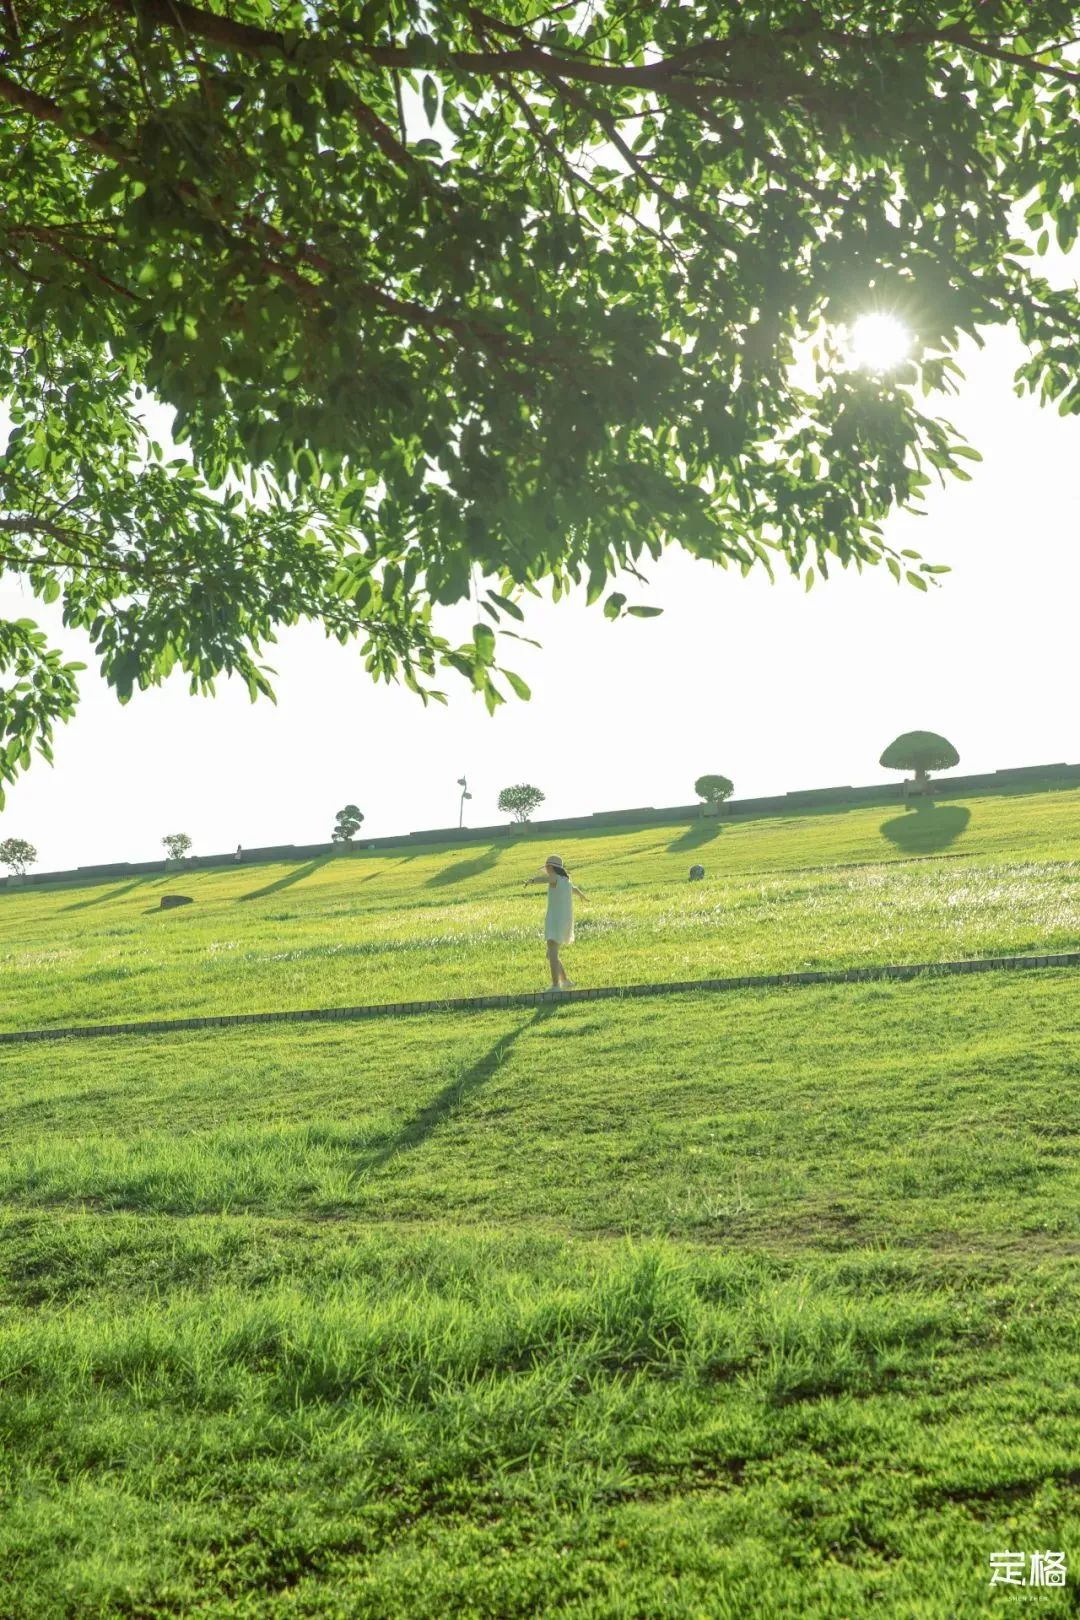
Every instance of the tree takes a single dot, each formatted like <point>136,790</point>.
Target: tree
<point>520,801</point>
<point>920,751</point>
<point>347,824</point>
<point>714,790</point>
<point>17,854</point>
<point>494,297</point>
<point>177,845</point>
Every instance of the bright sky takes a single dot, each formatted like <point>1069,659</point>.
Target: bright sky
<point>763,683</point>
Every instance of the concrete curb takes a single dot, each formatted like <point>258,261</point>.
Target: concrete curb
<point>541,998</point>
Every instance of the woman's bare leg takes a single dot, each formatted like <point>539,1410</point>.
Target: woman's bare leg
<point>557,972</point>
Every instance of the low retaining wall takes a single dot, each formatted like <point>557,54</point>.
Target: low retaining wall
<point>1060,775</point>
<point>540,998</point>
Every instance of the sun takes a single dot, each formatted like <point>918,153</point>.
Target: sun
<point>879,342</point>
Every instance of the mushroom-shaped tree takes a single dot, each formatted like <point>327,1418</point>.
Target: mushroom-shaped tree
<point>713,790</point>
<point>920,751</point>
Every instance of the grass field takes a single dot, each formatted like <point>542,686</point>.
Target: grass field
<point>998,875</point>
<point>762,1304</point>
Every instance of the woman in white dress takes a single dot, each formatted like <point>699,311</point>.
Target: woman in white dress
<point>559,922</point>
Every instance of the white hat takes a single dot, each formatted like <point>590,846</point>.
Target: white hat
<point>554,860</point>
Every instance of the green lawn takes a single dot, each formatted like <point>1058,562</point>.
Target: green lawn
<point>978,877</point>
<point>763,1304</point>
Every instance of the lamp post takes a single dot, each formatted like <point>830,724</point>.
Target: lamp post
<point>465,794</point>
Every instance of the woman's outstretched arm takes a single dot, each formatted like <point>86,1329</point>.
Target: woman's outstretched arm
<point>579,892</point>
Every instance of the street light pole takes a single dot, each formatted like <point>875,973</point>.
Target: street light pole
<point>465,794</point>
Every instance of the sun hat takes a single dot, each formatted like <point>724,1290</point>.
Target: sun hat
<point>554,860</point>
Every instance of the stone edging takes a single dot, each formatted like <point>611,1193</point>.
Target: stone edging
<point>540,998</point>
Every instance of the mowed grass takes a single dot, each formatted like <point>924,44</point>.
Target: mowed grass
<point>762,1304</point>
<point>978,877</point>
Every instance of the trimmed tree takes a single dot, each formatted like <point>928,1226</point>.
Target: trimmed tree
<point>505,292</point>
<point>17,855</point>
<point>177,845</point>
<point>921,752</point>
<point>713,790</point>
<point>347,825</point>
<point>520,801</point>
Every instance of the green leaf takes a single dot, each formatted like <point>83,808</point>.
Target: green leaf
<point>484,641</point>
<point>517,684</point>
<point>430,93</point>
<point>507,605</point>
<point>645,612</point>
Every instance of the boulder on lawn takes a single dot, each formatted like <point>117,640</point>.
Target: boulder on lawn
<point>696,874</point>
<point>170,901</point>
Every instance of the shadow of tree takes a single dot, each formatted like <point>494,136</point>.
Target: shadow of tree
<point>288,880</point>
<point>929,828</point>
<point>698,833</point>
<point>460,870</point>
<point>416,1130</point>
<point>112,894</point>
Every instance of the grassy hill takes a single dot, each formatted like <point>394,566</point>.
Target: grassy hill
<point>836,888</point>
<point>763,1304</point>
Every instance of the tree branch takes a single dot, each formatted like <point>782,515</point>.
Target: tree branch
<point>530,57</point>
<point>609,124</point>
<point>39,233</point>
<point>24,524</point>
<point>188,19</point>
<point>50,112</point>
<point>999,54</point>
<point>466,329</point>
<point>544,140</point>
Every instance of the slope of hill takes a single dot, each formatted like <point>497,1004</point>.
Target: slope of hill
<point>762,1305</point>
<point>982,877</point>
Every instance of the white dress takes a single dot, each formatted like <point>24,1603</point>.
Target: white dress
<point>559,922</point>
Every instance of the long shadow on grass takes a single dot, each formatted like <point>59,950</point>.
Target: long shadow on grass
<point>931,827</point>
<point>100,899</point>
<point>289,879</point>
<point>698,833</point>
<point>415,1131</point>
<point>460,870</point>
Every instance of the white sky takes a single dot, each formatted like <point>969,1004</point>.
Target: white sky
<point>772,687</point>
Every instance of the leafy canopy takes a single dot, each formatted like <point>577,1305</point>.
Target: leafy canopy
<point>714,789</point>
<point>449,298</point>
<point>177,845</point>
<point>920,751</point>
<point>521,800</point>
<point>17,854</point>
<point>347,824</point>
